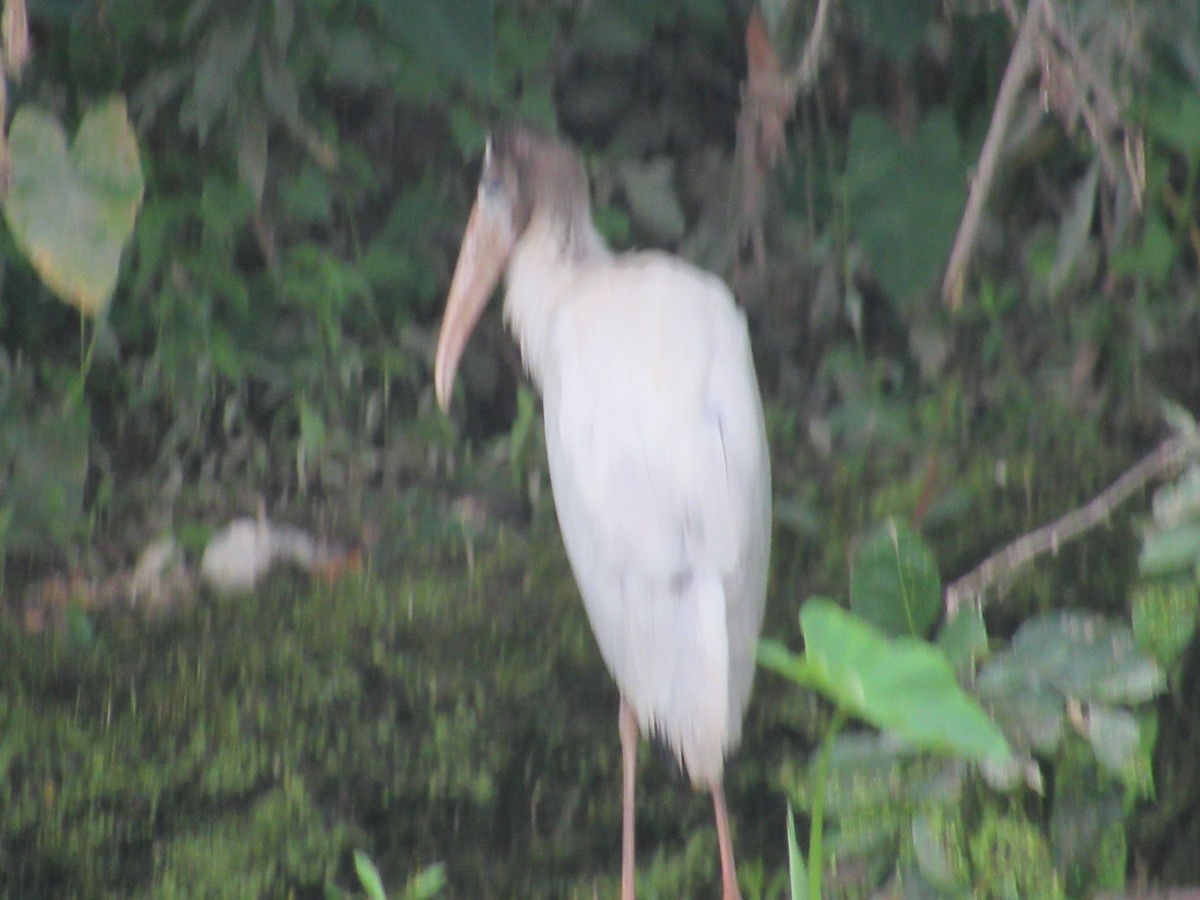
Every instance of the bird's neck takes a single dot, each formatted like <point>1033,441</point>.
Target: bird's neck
<point>549,254</point>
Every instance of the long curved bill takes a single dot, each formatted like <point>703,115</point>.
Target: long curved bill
<point>486,246</point>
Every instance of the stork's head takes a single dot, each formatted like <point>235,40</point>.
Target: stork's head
<point>526,175</point>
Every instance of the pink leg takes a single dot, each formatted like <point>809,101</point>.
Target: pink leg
<point>729,883</point>
<point>628,728</point>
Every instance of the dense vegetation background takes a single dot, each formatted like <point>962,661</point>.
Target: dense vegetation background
<point>305,172</point>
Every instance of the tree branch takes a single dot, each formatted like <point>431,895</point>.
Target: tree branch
<point>814,51</point>
<point>1170,456</point>
<point>1020,66</point>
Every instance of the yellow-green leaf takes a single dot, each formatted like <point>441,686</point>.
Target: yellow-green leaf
<point>71,211</point>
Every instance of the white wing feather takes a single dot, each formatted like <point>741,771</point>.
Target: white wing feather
<point>659,465</point>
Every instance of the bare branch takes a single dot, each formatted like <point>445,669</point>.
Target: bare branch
<point>1020,66</point>
<point>1170,456</point>
<point>815,49</point>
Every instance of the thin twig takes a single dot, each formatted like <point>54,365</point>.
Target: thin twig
<point>1093,96</point>
<point>1168,457</point>
<point>814,52</point>
<point>1020,66</point>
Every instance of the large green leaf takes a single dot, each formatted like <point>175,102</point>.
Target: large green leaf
<point>779,659</point>
<point>72,211</point>
<point>368,876</point>
<point>902,685</point>
<point>906,195</point>
<point>1029,710</point>
<point>1086,657</point>
<point>894,581</point>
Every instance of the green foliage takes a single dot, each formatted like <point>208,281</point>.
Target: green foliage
<point>1012,859</point>
<point>455,39</point>
<point>797,869</point>
<point>902,685</point>
<point>71,212</point>
<point>424,885</point>
<point>1067,691</point>
<point>905,194</point>
<point>895,28</point>
<point>1171,541</point>
<point>271,320</point>
<point>369,876</point>
<point>1166,599</point>
<point>895,584</point>
<point>1068,668</point>
<point>43,466</point>
<point>1164,617</point>
<point>249,744</point>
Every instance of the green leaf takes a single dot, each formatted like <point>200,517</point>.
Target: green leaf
<point>1114,736</point>
<point>1029,710</point>
<point>1088,820</point>
<point>1168,552</point>
<point>368,875</point>
<point>895,28</point>
<point>354,60</point>
<point>1164,617</point>
<point>251,152</point>
<point>223,57</point>
<point>963,639</point>
<point>44,471</point>
<point>864,769</point>
<point>453,38</point>
<point>903,685</point>
<point>1086,657</point>
<point>312,428</point>
<point>1152,256</point>
<point>797,871</point>
<point>523,428</point>
<point>427,883</point>
<point>1004,774</point>
<point>894,581</point>
<point>617,31</point>
<point>779,659</point>
<point>72,212</point>
<point>933,840</point>
<point>1176,122</point>
<point>1179,502</point>
<point>905,197</point>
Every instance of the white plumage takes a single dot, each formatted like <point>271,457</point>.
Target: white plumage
<point>657,450</point>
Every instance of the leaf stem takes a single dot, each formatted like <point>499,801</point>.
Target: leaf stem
<point>816,834</point>
<point>75,393</point>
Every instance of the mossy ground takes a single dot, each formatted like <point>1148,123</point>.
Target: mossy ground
<point>427,710</point>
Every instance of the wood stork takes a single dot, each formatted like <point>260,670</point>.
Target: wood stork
<point>657,451</point>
